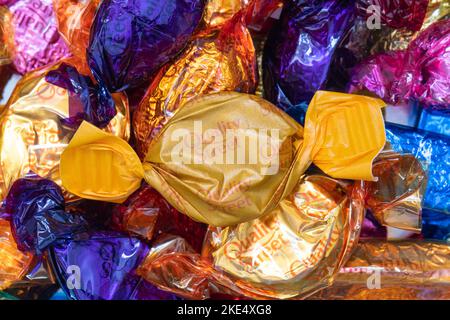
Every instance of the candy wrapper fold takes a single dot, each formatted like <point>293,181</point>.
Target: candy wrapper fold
<point>213,191</point>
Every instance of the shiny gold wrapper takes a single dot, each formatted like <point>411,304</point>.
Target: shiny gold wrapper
<point>228,158</point>
<point>32,136</point>
<point>292,252</point>
<point>217,60</point>
<point>218,12</point>
<point>395,199</point>
<point>74,23</point>
<point>391,39</point>
<point>13,263</point>
<point>6,36</point>
<point>404,270</point>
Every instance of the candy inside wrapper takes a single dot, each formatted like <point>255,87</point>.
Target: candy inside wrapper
<point>419,73</point>
<point>37,41</point>
<point>280,255</point>
<point>6,34</point>
<point>205,164</point>
<point>74,23</point>
<point>130,40</point>
<point>218,59</point>
<point>41,118</point>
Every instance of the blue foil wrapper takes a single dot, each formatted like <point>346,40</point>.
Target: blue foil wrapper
<point>435,225</point>
<point>433,150</point>
<point>299,51</point>
<point>435,121</point>
<point>103,267</point>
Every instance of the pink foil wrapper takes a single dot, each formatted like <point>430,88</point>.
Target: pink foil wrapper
<point>421,72</point>
<point>37,41</point>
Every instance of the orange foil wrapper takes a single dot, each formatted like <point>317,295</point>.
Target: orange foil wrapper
<point>32,136</point>
<point>13,263</point>
<point>6,37</point>
<point>219,59</point>
<point>404,270</point>
<point>74,23</point>
<point>395,199</point>
<point>291,252</point>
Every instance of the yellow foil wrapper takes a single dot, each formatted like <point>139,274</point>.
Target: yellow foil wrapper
<point>74,23</point>
<point>32,136</point>
<point>406,270</point>
<point>218,12</point>
<point>13,263</point>
<point>395,199</point>
<point>217,60</point>
<point>6,36</point>
<point>300,246</point>
<point>228,158</point>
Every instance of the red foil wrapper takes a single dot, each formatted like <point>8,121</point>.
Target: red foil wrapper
<point>36,38</point>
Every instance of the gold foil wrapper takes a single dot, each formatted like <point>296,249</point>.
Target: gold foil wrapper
<point>13,263</point>
<point>32,136</point>
<point>217,12</point>
<point>217,60</point>
<point>406,270</point>
<point>395,199</point>
<point>74,23</point>
<point>292,252</point>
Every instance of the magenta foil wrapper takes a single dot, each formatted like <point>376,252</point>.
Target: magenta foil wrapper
<point>419,73</point>
<point>36,37</point>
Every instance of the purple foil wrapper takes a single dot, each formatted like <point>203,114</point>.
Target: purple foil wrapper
<point>132,39</point>
<point>102,267</point>
<point>35,207</point>
<point>300,48</point>
<point>36,37</point>
<point>419,73</point>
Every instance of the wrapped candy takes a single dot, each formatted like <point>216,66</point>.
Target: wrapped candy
<point>13,263</point>
<point>102,267</point>
<point>43,114</point>
<point>220,59</point>
<point>131,40</point>
<point>74,23</point>
<point>434,121</point>
<point>281,255</point>
<point>436,225</point>
<point>419,73</point>
<point>204,167</point>
<point>395,199</point>
<point>36,38</point>
<point>299,51</point>
<point>432,149</point>
<point>36,209</point>
<point>407,270</point>
<point>6,32</point>
<point>5,296</point>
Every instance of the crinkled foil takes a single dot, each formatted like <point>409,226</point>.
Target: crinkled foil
<point>395,199</point>
<point>6,36</point>
<point>74,23</point>
<point>36,38</point>
<point>431,149</point>
<point>292,252</point>
<point>216,60</point>
<point>13,263</point>
<point>32,136</point>
<point>409,270</point>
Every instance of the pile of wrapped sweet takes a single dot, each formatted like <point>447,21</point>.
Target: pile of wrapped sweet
<point>224,149</point>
